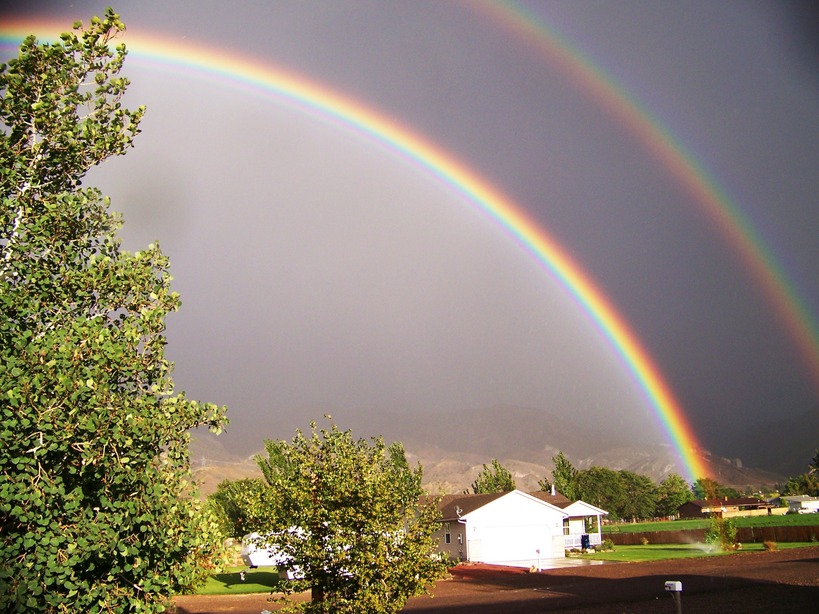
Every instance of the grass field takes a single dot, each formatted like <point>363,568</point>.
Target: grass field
<point>795,520</point>
<point>660,552</point>
<point>230,583</point>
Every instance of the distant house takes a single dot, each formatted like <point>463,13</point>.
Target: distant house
<point>725,508</point>
<point>506,528</point>
<point>576,525</point>
<point>802,504</point>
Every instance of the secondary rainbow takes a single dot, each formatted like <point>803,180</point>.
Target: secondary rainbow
<point>207,62</point>
<point>527,27</point>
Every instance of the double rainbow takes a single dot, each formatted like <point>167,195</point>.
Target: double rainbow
<point>282,86</point>
<point>528,28</point>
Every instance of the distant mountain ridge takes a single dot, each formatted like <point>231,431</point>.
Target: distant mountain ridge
<point>452,448</point>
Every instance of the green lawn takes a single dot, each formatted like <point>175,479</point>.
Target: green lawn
<point>660,552</point>
<point>792,520</point>
<point>668,525</point>
<point>230,583</point>
<point>795,520</point>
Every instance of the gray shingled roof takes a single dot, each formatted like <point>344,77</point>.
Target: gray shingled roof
<point>454,506</point>
<point>556,499</point>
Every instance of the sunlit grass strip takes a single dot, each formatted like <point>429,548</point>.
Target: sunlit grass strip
<point>230,582</point>
<point>646,527</point>
<point>664,552</point>
<point>788,520</point>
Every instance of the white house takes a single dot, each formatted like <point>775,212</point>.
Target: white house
<point>506,528</point>
<point>802,504</point>
<point>580,516</point>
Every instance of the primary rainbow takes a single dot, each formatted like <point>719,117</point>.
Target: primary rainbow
<point>304,94</point>
<point>717,205</point>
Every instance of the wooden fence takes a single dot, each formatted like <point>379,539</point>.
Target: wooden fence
<point>746,535</point>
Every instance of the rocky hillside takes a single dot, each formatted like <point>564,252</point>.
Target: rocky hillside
<point>453,448</point>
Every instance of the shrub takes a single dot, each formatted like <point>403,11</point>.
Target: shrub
<point>607,545</point>
<point>644,541</point>
<point>770,546</point>
<point>722,533</point>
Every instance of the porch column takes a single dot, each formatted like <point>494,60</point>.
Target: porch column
<point>599,529</point>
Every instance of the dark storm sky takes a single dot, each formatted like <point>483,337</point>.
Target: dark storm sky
<point>320,272</point>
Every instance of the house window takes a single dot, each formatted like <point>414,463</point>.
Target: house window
<point>447,534</point>
<point>566,530</point>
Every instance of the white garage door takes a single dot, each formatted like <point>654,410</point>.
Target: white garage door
<point>515,545</point>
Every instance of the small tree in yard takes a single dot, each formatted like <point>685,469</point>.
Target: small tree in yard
<point>95,506</point>
<point>496,478</point>
<point>722,532</point>
<point>348,514</point>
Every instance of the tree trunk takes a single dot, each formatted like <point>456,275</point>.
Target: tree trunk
<point>317,593</point>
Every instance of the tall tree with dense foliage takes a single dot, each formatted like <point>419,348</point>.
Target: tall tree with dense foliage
<point>603,488</point>
<point>95,505</point>
<point>806,483</point>
<point>494,478</point>
<point>709,488</point>
<point>672,492</point>
<point>640,496</point>
<point>241,505</point>
<point>351,516</point>
<point>564,478</point>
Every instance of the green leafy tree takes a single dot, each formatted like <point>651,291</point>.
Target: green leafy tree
<point>242,505</point>
<point>806,483</point>
<point>623,494</point>
<point>602,487</point>
<point>708,488</point>
<point>349,515</point>
<point>493,479</point>
<point>672,492</point>
<point>564,477</point>
<point>96,512</point>
<point>639,498</point>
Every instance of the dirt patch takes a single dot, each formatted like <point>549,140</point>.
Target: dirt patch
<point>783,581</point>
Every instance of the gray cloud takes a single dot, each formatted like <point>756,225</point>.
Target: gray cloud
<point>318,270</point>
